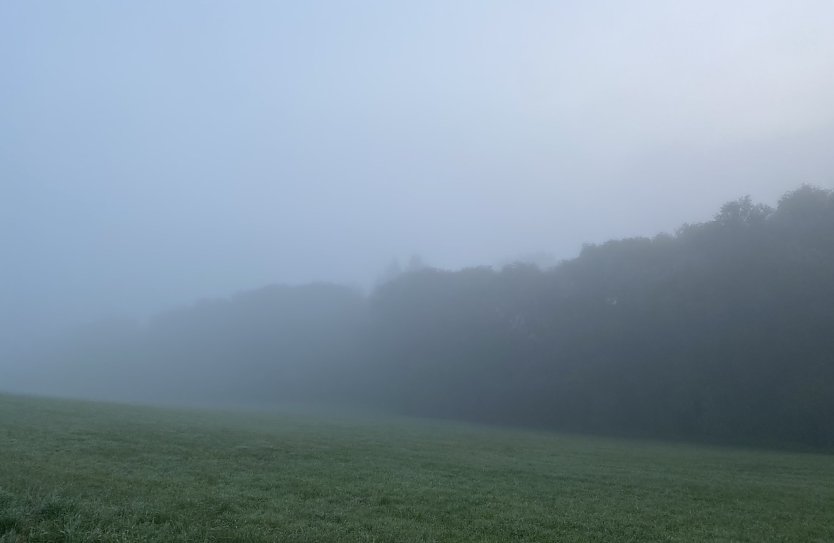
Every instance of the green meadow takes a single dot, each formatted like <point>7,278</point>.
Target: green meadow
<point>80,472</point>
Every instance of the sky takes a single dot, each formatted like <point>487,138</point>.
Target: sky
<point>153,153</point>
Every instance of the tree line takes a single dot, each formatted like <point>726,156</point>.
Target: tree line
<point>723,330</point>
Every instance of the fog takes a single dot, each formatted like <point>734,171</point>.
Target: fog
<point>157,153</point>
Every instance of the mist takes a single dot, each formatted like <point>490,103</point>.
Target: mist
<point>156,154</point>
<point>159,154</point>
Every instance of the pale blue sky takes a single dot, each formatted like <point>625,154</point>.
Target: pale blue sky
<point>156,152</point>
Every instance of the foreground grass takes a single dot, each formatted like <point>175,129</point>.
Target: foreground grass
<point>75,471</point>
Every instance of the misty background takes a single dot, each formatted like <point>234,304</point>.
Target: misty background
<point>153,154</point>
<point>237,199</point>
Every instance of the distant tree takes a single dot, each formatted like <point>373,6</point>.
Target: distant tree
<point>720,331</point>
<point>742,212</point>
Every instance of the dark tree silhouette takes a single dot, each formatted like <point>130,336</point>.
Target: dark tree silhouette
<point>720,331</point>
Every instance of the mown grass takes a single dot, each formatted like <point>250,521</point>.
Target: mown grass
<point>76,471</point>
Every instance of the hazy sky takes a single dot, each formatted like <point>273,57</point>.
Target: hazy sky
<point>156,152</point>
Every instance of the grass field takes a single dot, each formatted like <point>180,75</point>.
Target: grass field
<point>76,471</point>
